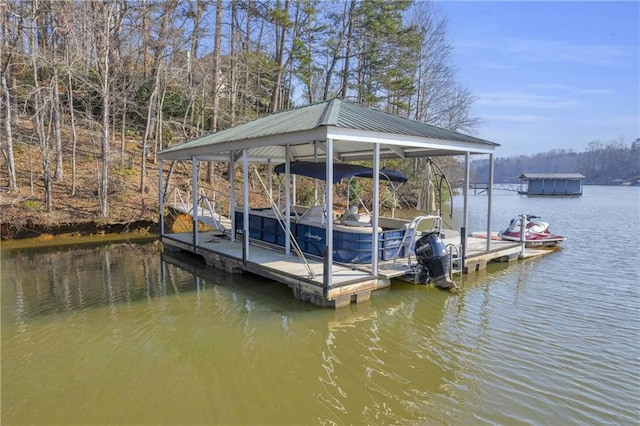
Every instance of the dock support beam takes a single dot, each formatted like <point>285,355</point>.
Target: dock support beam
<point>287,197</point>
<point>376,209</point>
<point>161,197</point>
<point>232,195</point>
<point>329,203</point>
<point>245,207</point>
<point>465,210</point>
<point>194,213</point>
<point>489,198</point>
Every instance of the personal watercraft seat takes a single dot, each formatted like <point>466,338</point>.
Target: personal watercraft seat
<point>538,227</point>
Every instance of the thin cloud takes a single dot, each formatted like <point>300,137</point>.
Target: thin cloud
<point>553,86</point>
<point>525,100</point>
<point>597,92</point>
<point>496,65</point>
<point>517,118</point>
<point>571,89</point>
<point>532,50</point>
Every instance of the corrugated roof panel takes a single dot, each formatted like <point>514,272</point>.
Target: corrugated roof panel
<point>276,152</point>
<point>356,116</point>
<point>310,118</point>
<point>298,119</point>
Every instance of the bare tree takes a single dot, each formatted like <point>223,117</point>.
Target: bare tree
<point>159,46</point>
<point>217,70</point>
<point>233,66</point>
<point>341,23</point>
<point>7,48</point>
<point>7,139</point>
<point>280,16</point>
<point>195,12</point>
<point>34,34</point>
<point>215,110</point>
<point>103,14</point>
<point>438,99</point>
<point>55,119</point>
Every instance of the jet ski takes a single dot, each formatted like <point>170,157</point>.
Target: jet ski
<point>536,232</point>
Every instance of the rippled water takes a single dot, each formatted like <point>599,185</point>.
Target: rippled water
<point>120,334</point>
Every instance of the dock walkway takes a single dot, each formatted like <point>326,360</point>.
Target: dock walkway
<point>348,284</point>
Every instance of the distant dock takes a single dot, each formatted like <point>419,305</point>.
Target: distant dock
<point>552,184</point>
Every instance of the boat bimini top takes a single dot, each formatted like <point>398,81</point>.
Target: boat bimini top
<point>344,171</point>
<point>340,171</point>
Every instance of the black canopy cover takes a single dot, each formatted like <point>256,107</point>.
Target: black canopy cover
<point>340,171</point>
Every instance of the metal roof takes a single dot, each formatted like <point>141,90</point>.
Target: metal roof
<point>352,127</point>
<point>557,176</point>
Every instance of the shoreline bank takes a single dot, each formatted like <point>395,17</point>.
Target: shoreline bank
<point>12,231</point>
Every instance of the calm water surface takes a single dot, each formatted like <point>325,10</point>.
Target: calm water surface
<point>121,334</point>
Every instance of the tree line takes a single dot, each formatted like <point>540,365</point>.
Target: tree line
<point>601,163</point>
<point>168,71</point>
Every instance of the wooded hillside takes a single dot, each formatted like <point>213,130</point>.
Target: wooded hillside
<point>93,90</point>
<point>601,163</point>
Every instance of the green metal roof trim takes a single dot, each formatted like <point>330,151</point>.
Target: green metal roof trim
<point>336,113</point>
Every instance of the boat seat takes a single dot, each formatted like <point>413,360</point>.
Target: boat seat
<point>353,218</point>
<point>313,214</point>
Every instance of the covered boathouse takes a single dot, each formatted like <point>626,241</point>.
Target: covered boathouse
<point>329,132</point>
<point>553,184</point>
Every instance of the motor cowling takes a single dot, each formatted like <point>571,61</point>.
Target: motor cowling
<point>433,260</point>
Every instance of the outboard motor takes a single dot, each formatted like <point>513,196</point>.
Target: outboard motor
<point>433,261</point>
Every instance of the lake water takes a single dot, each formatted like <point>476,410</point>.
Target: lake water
<point>120,334</point>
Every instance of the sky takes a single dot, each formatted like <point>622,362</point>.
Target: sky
<point>549,75</point>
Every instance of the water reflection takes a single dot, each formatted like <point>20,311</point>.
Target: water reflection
<point>50,280</point>
<point>126,334</point>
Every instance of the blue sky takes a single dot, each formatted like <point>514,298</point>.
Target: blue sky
<point>549,75</point>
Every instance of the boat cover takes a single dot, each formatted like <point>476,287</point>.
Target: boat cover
<point>340,171</point>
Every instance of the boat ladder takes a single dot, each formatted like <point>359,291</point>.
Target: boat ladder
<point>412,233</point>
<point>455,259</point>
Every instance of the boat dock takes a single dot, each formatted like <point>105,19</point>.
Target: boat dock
<point>326,259</point>
<point>349,283</point>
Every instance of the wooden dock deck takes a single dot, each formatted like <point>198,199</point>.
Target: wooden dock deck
<point>348,283</point>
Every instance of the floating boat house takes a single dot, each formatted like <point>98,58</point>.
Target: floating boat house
<point>555,184</point>
<point>304,249</point>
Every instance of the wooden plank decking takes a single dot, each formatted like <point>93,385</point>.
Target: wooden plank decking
<point>348,283</point>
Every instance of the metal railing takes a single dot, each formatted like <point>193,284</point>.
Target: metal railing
<point>203,205</point>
